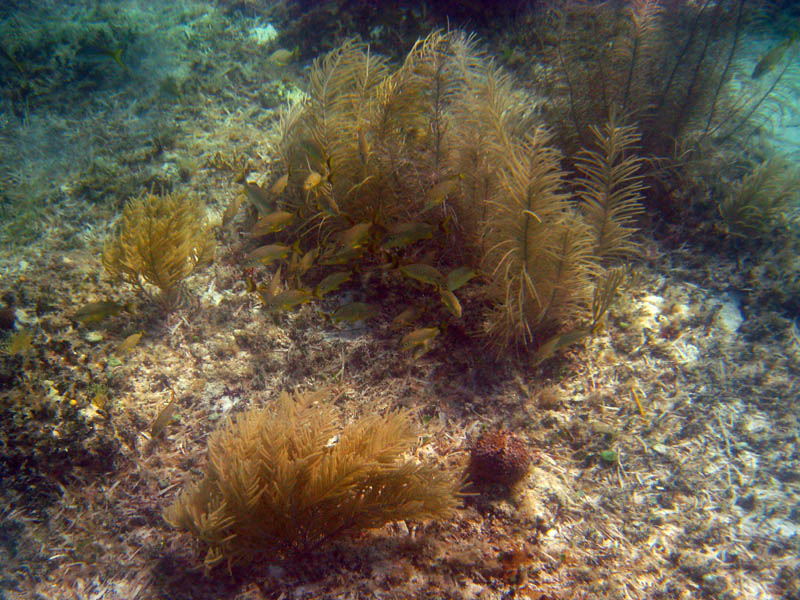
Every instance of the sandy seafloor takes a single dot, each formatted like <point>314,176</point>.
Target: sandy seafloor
<point>704,501</point>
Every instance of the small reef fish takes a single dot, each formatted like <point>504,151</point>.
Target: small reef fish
<point>305,263</point>
<point>164,417</point>
<point>116,56</point>
<point>258,197</point>
<point>267,254</point>
<point>232,209</point>
<point>286,300</point>
<point>774,56</point>
<point>459,277</point>
<point>419,341</point>
<point>450,301</point>
<point>313,180</point>
<point>363,146</point>
<point>405,318</point>
<point>94,52</point>
<point>273,222</point>
<point>280,185</point>
<point>356,236</point>
<point>423,273</point>
<point>96,312</point>
<point>407,234</point>
<point>331,283</point>
<point>353,312</point>
<point>283,57</point>
<point>340,258</point>
<point>439,192</point>
<point>129,343</point>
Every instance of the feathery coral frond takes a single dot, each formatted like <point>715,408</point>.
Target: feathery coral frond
<point>610,189</point>
<point>284,481</point>
<point>162,240</point>
<point>764,200</point>
<point>541,253</point>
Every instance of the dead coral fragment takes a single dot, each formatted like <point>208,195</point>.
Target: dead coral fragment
<point>162,240</point>
<point>282,482</point>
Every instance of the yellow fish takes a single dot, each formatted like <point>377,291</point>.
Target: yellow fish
<point>356,236</point>
<point>273,222</point>
<point>95,312</point>
<point>406,317</point>
<point>232,209</point>
<point>287,300</point>
<point>283,57</point>
<point>451,302</point>
<point>331,283</point>
<point>129,342</point>
<point>420,340</point>
<point>423,273</point>
<point>164,416</point>
<point>267,254</point>
<point>312,181</point>
<point>355,311</point>
<point>407,234</point>
<point>280,185</point>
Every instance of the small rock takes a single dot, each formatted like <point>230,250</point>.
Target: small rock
<point>729,318</point>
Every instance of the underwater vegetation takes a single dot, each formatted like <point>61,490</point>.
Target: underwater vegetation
<point>388,26</point>
<point>763,201</point>
<point>46,48</point>
<point>438,176</point>
<point>54,414</point>
<point>666,70</point>
<point>45,437</point>
<point>285,481</point>
<point>162,239</point>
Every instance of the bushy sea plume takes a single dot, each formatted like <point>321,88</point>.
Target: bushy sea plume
<point>763,201</point>
<point>162,239</point>
<point>281,482</point>
<point>437,171</point>
<point>665,69</point>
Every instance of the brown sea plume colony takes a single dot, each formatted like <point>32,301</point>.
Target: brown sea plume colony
<point>440,175</point>
<point>162,240</point>
<point>282,482</point>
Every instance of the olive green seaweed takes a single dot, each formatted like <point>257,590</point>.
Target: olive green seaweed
<point>666,70</point>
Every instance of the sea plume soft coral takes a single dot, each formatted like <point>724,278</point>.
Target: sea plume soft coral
<point>282,482</point>
<point>162,240</point>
